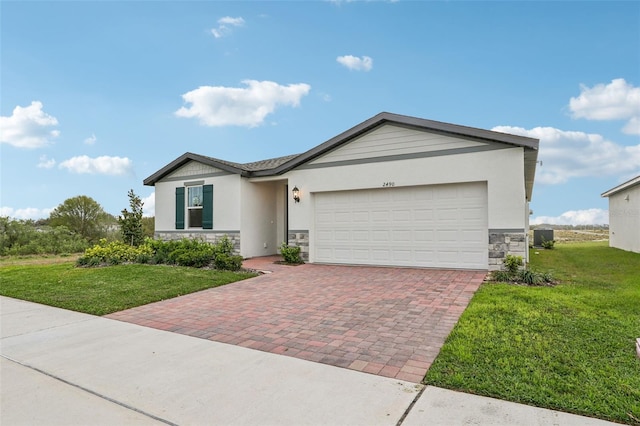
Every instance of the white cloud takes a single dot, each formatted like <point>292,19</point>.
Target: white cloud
<point>617,100</point>
<point>100,165</point>
<point>354,63</point>
<point>149,205</point>
<point>225,26</point>
<point>240,106</point>
<point>575,217</point>
<point>46,163</point>
<point>91,140</point>
<point>569,154</point>
<point>28,127</point>
<point>26,213</point>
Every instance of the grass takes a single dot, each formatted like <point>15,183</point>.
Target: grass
<point>100,291</point>
<point>568,347</point>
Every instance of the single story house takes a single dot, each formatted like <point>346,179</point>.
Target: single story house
<point>624,215</point>
<point>393,190</point>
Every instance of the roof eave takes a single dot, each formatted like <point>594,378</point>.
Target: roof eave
<point>625,185</point>
<point>386,117</point>
<point>184,159</point>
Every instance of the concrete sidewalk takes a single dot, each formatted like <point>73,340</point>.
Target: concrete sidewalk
<point>59,367</point>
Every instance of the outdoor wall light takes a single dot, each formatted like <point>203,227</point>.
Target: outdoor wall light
<point>296,194</point>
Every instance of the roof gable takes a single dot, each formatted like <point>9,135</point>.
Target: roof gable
<point>192,168</point>
<point>390,139</point>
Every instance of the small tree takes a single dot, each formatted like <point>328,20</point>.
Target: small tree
<point>131,221</point>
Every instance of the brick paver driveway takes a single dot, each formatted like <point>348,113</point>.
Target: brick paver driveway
<point>386,321</point>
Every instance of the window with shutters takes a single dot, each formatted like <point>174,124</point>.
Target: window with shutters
<point>194,206</point>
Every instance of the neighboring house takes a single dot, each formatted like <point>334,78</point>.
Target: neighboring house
<point>624,215</point>
<point>393,190</point>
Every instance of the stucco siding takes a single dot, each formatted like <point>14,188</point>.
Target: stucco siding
<point>624,219</point>
<point>226,202</point>
<point>259,218</point>
<point>391,140</point>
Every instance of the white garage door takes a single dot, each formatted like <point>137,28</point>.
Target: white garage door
<point>442,226</point>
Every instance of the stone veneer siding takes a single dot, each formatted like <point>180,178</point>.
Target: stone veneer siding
<point>208,236</point>
<point>300,239</point>
<point>504,242</point>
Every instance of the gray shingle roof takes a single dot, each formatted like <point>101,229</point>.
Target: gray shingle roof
<point>269,164</point>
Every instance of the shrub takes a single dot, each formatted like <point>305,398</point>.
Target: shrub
<point>196,258</point>
<point>185,252</point>
<point>512,273</point>
<point>228,262</point>
<point>548,244</point>
<point>224,246</point>
<point>513,263</point>
<point>501,276</point>
<point>291,254</point>
<point>531,277</point>
<point>113,253</point>
<point>22,237</point>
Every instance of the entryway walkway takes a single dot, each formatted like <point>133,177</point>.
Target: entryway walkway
<point>386,321</point>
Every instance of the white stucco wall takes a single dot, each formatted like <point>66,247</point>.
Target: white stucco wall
<point>259,218</point>
<point>226,202</point>
<point>503,171</point>
<point>624,219</point>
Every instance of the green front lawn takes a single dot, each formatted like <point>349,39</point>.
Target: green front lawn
<point>570,347</point>
<point>100,291</point>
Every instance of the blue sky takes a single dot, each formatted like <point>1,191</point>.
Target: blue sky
<point>96,96</point>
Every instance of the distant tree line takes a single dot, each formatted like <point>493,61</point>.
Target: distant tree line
<point>73,226</point>
<point>571,227</point>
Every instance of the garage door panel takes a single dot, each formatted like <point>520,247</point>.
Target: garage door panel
<point>360,217</point>
<point>361,254</point>
<point>361,236</point>
<point>447,192</point>
<point>423,257</point>
<point>447,235</point>
<point>423,215</point>
<point>471,213</point>
<point>324,218</point>
<point>427,226</point>
<point>473,257</point>
<point>380,236</point>
<point>378,216</point>
<point>447,214</point>
<point>401,195</point>
<point>401,216</point>
<point>471,236</point>
<point>402,236</point>
<point>342,253</point>
<point>324,236</point>
<point>402,255</point>
<point>342,236</point>
<point>342,217</point>
<point>376,197</point>
<point>423,236</point>
<point>380,255</point>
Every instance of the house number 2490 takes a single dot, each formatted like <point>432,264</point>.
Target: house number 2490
<point>385,184</point>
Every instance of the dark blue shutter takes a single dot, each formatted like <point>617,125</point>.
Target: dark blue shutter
<point>180,208</point>
<point>207,207</point>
